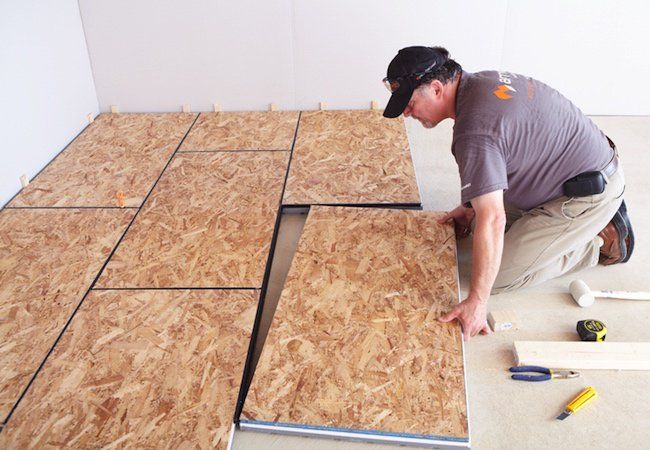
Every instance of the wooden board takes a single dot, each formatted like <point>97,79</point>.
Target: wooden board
<point>351,157</point>
<point>117,152</point>
<point>354,345</point>
<point>48,260</point>
<point>208,223</point>
<point>584,355</point>
<point>273,130</point>
<point>140,369</point>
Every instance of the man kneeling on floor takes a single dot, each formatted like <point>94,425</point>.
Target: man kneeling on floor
<point>531,165</point>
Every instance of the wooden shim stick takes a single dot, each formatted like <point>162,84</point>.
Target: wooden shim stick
<point>115,109</point>
<point>273,107</point>
<point>583,355</point>
<point>323,106</point>
<point>374,105</point>
<point>186,108</point>
<point>90,118</point>
<point>217,107</point>
<point>24,181</point>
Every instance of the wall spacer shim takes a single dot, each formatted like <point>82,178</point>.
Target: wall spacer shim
<point>90,118</point>
<point>323,106</point>
<point>374,105</point>
<point>115,109</point>
<point>186,108</point>
<point>217,107</point>
<point>273,107</point>
<point>503,320</point>
<point>24,180</point>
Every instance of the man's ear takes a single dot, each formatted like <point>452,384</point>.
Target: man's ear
<point>436,86</point>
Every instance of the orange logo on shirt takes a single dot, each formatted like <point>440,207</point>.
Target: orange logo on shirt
<point>502,92</point>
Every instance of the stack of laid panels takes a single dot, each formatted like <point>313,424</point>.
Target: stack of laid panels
<point>355,349</point>
<point>153,341</point>
<point>351,158</point>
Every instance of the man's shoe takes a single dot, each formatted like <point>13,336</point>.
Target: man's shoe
<point>629,240</point>
<point>614,249</point>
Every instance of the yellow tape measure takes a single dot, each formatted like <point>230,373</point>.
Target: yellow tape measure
<point>591,330</point>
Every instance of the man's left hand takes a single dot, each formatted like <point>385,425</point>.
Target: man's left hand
<point>472,315</point>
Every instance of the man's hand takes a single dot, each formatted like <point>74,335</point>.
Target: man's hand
<point>462,218</point>
<point>472,315</point>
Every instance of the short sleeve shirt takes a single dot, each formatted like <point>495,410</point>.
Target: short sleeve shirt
<point>516,134</point>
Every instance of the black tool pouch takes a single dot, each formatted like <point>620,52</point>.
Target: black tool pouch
<point>584,184</point>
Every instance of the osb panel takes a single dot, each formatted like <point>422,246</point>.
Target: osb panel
<point>140,369</point>
<point>343,157</point>
<point>48,259</point>
<point>208,223</point>
<point>273,130</point>
<point>117,152</point>
<point>354,342</point>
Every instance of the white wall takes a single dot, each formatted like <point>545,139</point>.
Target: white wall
<point>46,85</point>
<point>155,55</point>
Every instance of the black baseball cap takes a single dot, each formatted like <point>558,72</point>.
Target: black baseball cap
<point>405,71</point>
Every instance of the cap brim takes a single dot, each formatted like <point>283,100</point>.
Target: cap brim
<point>397,104</point>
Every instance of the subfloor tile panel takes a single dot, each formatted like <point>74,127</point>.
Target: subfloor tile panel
<point>351,157</point>
<point>48,260</point>
<point>117,153</point>
<point>140,369</point>
<point>208,223</point>
<point>273,130</point>
<point>355,349</point>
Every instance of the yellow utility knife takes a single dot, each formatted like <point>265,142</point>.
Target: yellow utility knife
<point>577,403</point>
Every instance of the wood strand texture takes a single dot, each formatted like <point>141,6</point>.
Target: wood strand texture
<point>116,153</point>
<point>140,369</point>
<point>351,157</point>
<point>273,130</point>
<point>48,260</point>
<point>354,343</point>
<point>208,223</point>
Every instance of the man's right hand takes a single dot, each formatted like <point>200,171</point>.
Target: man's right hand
<point>462,218</point>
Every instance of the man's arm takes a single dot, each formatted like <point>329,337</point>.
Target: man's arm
<point>486,259</point>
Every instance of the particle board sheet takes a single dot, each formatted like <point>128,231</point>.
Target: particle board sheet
<point>140,369</point>
<point>273,130</point>
<point>354,348</point>
<point>48,260</point>
<point>116,153</point>
<point>208,223</point>
<point>351,157</point>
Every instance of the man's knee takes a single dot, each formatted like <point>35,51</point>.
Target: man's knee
<point>509,279</point>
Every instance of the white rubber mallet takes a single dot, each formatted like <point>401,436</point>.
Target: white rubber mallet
<point>586,297</point>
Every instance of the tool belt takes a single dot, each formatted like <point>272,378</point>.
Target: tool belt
<point>593,182</point>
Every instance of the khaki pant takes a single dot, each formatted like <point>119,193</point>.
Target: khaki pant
<point>557,237</point>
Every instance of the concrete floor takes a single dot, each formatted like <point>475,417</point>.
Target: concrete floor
<point>505,413</point>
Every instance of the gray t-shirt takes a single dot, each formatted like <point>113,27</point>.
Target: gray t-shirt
<point>517,134</point>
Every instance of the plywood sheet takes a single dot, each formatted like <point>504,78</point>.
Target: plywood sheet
<point>48,259</point>
<point>208,223</point>
<point>140,369</point>
<point>351,157</point>
<point>117,152</point>
<point>273,130</point>
<point>354,343</point>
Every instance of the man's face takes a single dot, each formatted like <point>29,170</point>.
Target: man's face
<point>426,105</point>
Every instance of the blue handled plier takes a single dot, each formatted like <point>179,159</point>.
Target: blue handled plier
<point>545,373</point>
